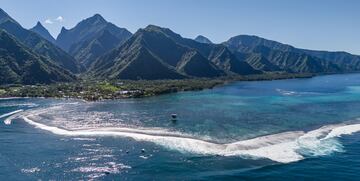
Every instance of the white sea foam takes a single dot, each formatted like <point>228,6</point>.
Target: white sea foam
<point>100,171</point>
<point>30,105</point>
<point>10,113</point>
<point>284,147</point>
<point>12,116</point>
<point>84,139</point>
<point>12,98</point>
<point>285,92</point>
<point>111,168</point>
<point>343,130</point>
<point>30,170</point>
<point>294,93</point>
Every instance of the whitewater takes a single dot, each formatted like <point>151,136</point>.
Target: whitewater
<point>283,147</point>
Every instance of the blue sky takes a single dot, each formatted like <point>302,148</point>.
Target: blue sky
<point>313,24</point>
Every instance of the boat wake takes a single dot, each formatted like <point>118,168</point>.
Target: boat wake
<point>283,147</point>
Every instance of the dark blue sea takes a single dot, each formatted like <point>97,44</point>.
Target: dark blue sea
<point>298,129</point>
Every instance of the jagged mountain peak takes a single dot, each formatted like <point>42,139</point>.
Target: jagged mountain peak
<point>43,32</point>
<point>98,16</point>
<point>95,19</point>
<point>87,29</point>
<point>168,52</point>
<point>91,38</point>
<point>39,24</point>
<point>63,29</point>
<point>39,44</point>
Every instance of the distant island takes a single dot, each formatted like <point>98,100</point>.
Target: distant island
<point>97,60</point>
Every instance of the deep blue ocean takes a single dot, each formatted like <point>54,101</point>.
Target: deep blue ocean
<point>298,129</point>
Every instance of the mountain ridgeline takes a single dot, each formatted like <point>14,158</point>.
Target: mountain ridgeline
<point>38,44</point>
<point>159,53</point>
<point>96,48</point>
<point>91,38</point>
<point>202,39</point>
<point>19,64</point>
<point>43,32</point>
<point>288,58</point>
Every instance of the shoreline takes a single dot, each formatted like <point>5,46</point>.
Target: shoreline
<point>97,90</point>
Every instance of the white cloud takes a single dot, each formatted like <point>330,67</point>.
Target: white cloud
<point>59,19</point>
<point>48,21</point>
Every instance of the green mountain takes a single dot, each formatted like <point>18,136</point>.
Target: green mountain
<point>217,53</point>
<point>110,52</point>
<point>18,64</point>
<point>132,61</point>
<point>294,62</point>
<point>194,64</point>
<point>227,61</point>
<point>91,38</point>
<point>289,58</point>
<point>202,39</point>
<point>346,61</point>
<point>246,43</point>
<point>93,48</point>
<point>152,54</point>
<point>84,30</point>
<point>259,62</point>
<point>38,44</point>
<point>43,32</point>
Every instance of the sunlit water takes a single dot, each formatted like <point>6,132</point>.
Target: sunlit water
<point>299,129</point>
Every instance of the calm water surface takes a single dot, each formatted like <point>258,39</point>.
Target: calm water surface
<point>299,129</point>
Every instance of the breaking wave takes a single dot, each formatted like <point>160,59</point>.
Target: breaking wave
<point>10,115</point>
<point>11,98</point>
<point>283,147</point>
<point>29,105</point>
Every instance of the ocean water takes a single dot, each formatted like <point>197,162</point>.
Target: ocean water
<point>299,129</point>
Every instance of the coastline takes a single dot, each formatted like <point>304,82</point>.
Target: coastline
<point>97,90</point>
